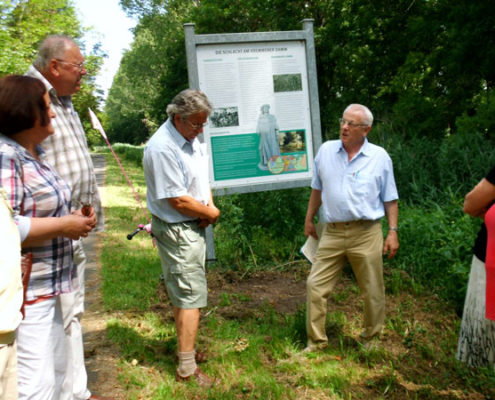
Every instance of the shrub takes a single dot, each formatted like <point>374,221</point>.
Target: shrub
<point>260,229</point>
<point>257,229</point>
<point>429,169</point>
<point>436,247</point>
<point>130,152</point>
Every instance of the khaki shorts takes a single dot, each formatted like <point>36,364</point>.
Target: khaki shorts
<point>182,249</point>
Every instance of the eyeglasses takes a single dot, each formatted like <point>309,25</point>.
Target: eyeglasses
<point>350,123</point>
<point>80,66</point>
<point>196,127</point>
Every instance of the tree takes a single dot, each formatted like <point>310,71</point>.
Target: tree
<point>418,64</point>
<point>25,23</point>
<point>150,73</point>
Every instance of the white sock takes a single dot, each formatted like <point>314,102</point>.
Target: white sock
<point>187,363</point>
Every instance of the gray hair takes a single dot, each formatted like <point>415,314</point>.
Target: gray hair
<point>53,46</point>
<point>189,102</point>
<point>368,116</point>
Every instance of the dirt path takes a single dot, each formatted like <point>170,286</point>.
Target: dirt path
<point>101,360</point>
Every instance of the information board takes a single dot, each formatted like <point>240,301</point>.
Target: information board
<point>264,128</point>
<point>260,128</point>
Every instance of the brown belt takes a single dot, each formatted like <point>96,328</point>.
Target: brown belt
<point>349,224</point>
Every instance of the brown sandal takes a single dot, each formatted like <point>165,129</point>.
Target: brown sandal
<point>201,378</point>
<point>201,357</point>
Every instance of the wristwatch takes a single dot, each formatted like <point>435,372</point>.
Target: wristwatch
<point>393,228</point>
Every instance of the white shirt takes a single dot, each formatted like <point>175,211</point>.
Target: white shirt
<point>174,167</point>
<point>353,190</point>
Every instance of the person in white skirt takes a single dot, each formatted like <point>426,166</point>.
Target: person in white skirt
<point>476,345</point>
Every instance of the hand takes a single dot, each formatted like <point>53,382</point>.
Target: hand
<point>203,222</point>
<point>215,214</point>
<point>76,225</point>
<point>310,229</point>
<point>391,244</point>
<point>87,211</point>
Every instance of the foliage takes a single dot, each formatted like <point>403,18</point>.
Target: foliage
<point>425,69</point>
<point>151,72</point>
<point>25,23</point>
<point>132,153</point>
<point>436,247</point>
<point>428,169</point>
<point>266,225</point>
<point>260,230</point>
<point>418,65</point>
<point>90,96</point>
<point>481,119</point>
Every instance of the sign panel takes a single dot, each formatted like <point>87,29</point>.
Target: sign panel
<point>260,129</point>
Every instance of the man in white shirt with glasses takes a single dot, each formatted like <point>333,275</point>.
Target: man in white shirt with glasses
<point>353,186</point>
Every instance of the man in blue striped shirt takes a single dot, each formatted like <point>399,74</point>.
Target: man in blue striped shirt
<point>353,186</point>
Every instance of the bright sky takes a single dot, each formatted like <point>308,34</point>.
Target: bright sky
<point>111,27</point>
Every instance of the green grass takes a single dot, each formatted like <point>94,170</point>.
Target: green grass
<point>257,354</point>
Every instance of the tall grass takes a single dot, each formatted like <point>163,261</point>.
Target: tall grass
<point>257,354</point>
<point>433,176</point>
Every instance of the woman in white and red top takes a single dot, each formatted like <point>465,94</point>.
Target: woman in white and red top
<point>41,203</point>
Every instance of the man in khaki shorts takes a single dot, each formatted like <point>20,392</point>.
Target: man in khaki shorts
<point>180,200</point>
<point>354,184</point>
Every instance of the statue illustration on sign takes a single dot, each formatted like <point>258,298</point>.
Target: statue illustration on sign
<point>268,130</point>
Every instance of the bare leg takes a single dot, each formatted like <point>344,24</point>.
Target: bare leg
<point>186,323</point>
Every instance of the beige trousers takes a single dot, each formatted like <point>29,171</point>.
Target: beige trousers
<point>360,243</point>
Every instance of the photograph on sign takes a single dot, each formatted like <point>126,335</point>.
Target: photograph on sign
<point>260,128</point>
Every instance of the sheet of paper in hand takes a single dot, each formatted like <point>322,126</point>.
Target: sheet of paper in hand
<point>308,249</point>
